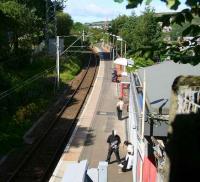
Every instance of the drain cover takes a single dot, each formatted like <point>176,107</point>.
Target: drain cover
<point>106,113</point>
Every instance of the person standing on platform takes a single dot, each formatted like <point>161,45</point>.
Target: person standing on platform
<point>129,146</point>
<point>127,163</point>
<point>113,141</point>
<point>120,105</point>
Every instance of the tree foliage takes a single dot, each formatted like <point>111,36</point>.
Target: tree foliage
<point>24,24</point>
<point>186,15</point>
<point>127,30</point>
<point>18,21</point>
<point>96,35</point>
<point>78,28</point>
<point>147,32</point>
<point>142,34</point>
<point>117,24</point>
<point>64,23</point>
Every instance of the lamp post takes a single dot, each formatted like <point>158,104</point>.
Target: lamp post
<point>125,49</point>
<point>113,45</point>
<point>120,39</point>
<point>116,45</point>
<point>121,49</point>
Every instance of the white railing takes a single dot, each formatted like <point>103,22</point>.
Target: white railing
<point>189,100</point>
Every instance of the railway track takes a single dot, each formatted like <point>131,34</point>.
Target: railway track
<point>40,161</point>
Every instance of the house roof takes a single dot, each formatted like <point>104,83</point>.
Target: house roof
<point>159,79</point>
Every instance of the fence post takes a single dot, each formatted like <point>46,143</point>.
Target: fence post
<point>102,170</point>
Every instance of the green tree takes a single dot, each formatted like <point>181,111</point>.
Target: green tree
<point>18,22</point>
<point>147,32</point>
<point>96,35</point>
<point>22,23</point>
<point>38,5</point>
<point>64,23</point>
<point>142,34</point>
<point>118,23</point>
<point>186,15</point>
<point>178,29</point>
<point>127,31</point>
<point>78,28</point>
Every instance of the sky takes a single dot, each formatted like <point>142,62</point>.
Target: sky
<point>86,11</point>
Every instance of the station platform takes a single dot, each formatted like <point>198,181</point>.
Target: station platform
<point>95,124</point>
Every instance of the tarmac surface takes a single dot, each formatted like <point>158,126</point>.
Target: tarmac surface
<point>96,123</point>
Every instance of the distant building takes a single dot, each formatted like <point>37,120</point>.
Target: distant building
<point>100,24</point>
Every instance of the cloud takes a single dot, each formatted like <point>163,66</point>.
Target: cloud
<point>99,10</point>
<point>95,10</point>
<point>92,10</point>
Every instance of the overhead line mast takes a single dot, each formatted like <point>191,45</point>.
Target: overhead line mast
<point>49,14</point>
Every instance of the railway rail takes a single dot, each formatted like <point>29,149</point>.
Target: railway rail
<point>39,162</point>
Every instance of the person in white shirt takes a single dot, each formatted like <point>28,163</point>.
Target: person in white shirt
<point>120,105</point>
<point>128,161</point>
<point>127,164</point>
<point>130,147</point>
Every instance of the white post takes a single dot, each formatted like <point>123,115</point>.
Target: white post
<point>57,61</point>
<point>125,50</point>
<point>83,36</point>
<point>121,48</point>
<point>113,53</point>
<point>143,104</point>
<point>102,172</point>
<point>116,49</point>
<point>113,48</point>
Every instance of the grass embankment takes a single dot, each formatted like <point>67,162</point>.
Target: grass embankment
<point>21,108</point>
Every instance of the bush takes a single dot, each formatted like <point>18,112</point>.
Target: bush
<point>25,105</point>
<point>25,113</point>
<point>140,62</point>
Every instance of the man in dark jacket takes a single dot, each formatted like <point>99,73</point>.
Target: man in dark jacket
<point>113,141</point>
